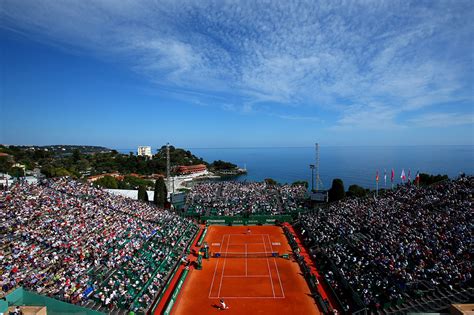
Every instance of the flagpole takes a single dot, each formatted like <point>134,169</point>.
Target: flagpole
<point>392,175</point>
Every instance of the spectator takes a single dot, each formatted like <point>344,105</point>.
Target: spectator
<point>72,241</point>
<point>383,248</point>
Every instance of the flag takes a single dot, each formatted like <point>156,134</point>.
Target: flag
<point>417,178</point>
<point>402,176</point>
<point>385,176</point>
<point>377,176</point>
<point>393,175</point>
<point>409,175</point>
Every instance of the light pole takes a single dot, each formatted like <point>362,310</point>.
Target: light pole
<point>311,166</point>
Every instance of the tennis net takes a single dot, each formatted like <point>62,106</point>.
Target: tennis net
<point>244,254</point>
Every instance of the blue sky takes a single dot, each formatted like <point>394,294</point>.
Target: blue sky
<point>237,73</point>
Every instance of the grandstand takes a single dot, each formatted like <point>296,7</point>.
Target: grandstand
<point>79,244</point>
<point>406,251</point>
<point>238,198</point>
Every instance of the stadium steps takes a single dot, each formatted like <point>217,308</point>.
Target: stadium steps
<point>88,303</point>
<point>436,305</point>
<point>435,301</point>
<point>119,312</point>
<point>91,304</point>
<point>464,294</point>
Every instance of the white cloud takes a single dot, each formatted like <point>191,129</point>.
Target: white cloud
<point>442,120</point>
<point>367,62</point>
<point>301,118</point>
<point>374,116</point>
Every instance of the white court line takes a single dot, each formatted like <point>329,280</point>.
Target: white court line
<point>246,297</point>
<point>215,270</point>
<point>223,267</point>
<point>246,260</point>
<point>249,276</point>
<point>278,273</point>
<point>240,244</point>
<point>245,234</point>
<point>268,264</point>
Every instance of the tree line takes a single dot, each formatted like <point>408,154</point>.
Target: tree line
<point>337,191</point>
<point>78,164</point>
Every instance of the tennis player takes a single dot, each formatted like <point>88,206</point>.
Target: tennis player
<point>223,305</point>
<point>248,231</point>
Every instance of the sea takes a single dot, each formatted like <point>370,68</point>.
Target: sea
<point>353,164</point>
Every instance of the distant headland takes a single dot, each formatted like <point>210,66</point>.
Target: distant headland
<point>110,168</point>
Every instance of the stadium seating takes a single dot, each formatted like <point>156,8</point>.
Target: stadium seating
<point>407,250</point>
<point>74,242</point>
<point>238,198</point>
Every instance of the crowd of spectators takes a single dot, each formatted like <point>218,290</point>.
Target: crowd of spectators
<point>72,241</point>
<point>238,198</point>
<point>384,247</point>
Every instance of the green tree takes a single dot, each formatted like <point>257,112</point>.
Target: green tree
<point>52,171</point>
<point>356,191</point>
<point>337,190</point>
<point>17,172</point>
<point>270,181</point>
<point>133,182</point>
<point>427,179</point>
<point>142,193</point>
<point>107,182</point>
<point>76,155</point>
<point>161,193</point>
<point>220,165</point>
<point>5,164</point>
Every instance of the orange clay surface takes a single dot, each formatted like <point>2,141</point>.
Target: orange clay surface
<point>263,285</point>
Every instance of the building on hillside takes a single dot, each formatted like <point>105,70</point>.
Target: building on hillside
<point>144,151</point>
<point>153,176</point>
<point>116,175</point>
<point>191,169</point>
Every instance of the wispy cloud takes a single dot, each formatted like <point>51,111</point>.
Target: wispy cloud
<point>300,118</point>
<point>365,62</point>
<point>442,120</point>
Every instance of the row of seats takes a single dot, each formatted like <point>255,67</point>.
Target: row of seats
<point>380,252</point>
<point>77,243</point>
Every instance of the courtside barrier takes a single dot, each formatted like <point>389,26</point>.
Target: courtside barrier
<point>306,270</point>
<point>172,274</point>
<point>179,285</point>
<point>203,235</point>
<point>252,220</point>
<point>165,288</point>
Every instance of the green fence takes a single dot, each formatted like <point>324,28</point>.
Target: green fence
<point>203,235</point>
<point>253,220</point>
<point>176,291</point>
<point>22,297</point>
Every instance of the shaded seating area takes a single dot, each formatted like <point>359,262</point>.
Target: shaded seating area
<point>405,251</point>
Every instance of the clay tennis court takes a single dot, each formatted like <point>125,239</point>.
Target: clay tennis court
<point>247,275</point>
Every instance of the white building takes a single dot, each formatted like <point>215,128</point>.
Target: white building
<point>145,151</point>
